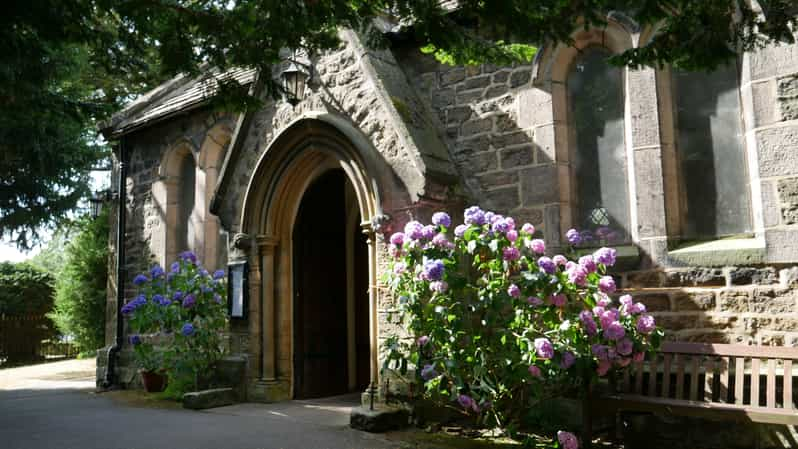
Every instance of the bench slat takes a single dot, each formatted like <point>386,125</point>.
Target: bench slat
<point>639,377</point>
<point>680,376</point>
<point>723,392</point>
<point>770,393</point>
<point>755,370</point>
<point>652,377</point>
<point>771,352</point>
<point>666,376</point>
<point>787,390</point>
<point>739,373</point>
<point>709,380</point>
<point>694,378</point>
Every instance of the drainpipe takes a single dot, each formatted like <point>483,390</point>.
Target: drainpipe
<point>113,351</point>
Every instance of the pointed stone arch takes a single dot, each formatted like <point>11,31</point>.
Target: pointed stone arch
<point>301,153</point>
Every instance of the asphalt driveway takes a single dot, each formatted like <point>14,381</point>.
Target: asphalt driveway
<point>55,406</point>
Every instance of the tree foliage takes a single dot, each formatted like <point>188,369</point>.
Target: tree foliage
<point>66,64</point>
<point>80,288</point>
<point>24,289</point>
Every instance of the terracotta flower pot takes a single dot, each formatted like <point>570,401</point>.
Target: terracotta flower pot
<point>154,382</point>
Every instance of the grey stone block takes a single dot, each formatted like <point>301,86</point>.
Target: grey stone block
<point>777,155</point>
<point>539,185</point>
<point>381,419</point>
<point>217,397</point>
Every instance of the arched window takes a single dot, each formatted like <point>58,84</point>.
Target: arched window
<point>185,232</point>
<point>714,198</point>
<point>595,92</point>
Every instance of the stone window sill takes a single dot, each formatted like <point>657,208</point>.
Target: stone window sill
<point>737,251</point>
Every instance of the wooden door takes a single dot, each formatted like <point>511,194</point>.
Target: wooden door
<point>320,337</point>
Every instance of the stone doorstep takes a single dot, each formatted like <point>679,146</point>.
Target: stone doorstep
<point>382,419</point>
<point>217,397</point>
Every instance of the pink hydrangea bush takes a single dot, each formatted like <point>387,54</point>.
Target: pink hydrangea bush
<point>498,325</point>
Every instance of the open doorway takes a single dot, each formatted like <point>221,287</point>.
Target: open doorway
<point>331,307</point>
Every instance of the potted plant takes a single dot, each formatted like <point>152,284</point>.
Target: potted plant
<point>177,322</point>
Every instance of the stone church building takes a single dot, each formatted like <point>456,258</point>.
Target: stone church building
<point>695,173</point>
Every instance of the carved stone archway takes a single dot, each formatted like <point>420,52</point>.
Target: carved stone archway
<point>299,155</point>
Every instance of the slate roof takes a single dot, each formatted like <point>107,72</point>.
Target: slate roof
<point>177,95</point>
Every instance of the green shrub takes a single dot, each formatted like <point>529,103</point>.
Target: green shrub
<point>24,290</point>
<point>81,285</point>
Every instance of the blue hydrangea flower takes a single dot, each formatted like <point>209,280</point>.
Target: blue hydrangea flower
<point>189,301</point>
<point>433,270</point>
<point>441,219</point>
<point>188,256</point>
<point>177,296</point>
<point>218,274</point>
<point>217,298</point>
<point>157,272</point>
<point>160,300</point>
<point>573,236</point>
<point>203,272</point>
<point>474,215</point>
<point>175,267</point>
<point>140,279</point>
<point>135,340</point>
<point>188,330</point>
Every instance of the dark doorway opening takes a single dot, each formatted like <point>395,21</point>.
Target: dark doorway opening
<point>322,342</point>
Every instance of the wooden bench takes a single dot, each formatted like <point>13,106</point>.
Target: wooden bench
<point>716,381</point>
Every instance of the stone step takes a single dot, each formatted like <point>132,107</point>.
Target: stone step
<point>381,419</point>
<point>216,397</point>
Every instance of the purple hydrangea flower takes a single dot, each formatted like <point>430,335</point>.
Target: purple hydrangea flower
<point>177,296</point>
<point>217,298</point>
<point>203,272</point>
<point>512,235</point>
<point>467,402</point>
<point>624,346</point>
<point>157,272</point>
<point>573,236</point>
<point>560,260</point>
<point>637,308</point>
<point>474,216</point>
<point>428,232</point>
<point>534,371</point>
<point>568,360</point>
<point>501,226</point>
<point>544,348</point>
<point>414,230</point>
<point>398,238</point>
<point>538,246</point>
<point>135,340</point>
<point>160,300</point>
<point>511,253</point>
<point>439,286</point>
<point>128,308</point>
<point>626,300</point>
<point>534,301</point>
<point>432,270</point>
<point>646,324</point>
<point>588,324</point>
<point>441,241</point>
<point>514,291</point>
<point>577,275</point>
<point>615,331</point>
<point>558,300</point>
<point>567,440</point>
<point>547,265</point>
<point>586,236</point>
<point>175,268</point>
<point>460,230</point>
<point>187,330</point>
<point>607,317</point>
<point>140,279</point>
<point>528,228</point>
<point>218,274</point>
<point>441,219</point>
<point>588,263</point>
<point>600,351</point>
<point>603,301</point>
<point>603,367</point>
<point>605,256</point>
<point>189,301</point>
<point>399,268</point>
<point>422,340</point>
<point>428,372</point>
<point>607,284</point>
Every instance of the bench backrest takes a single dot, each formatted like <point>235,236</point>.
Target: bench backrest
<point>720,373</point>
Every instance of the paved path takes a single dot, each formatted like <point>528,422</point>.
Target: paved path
<point>54,406</point>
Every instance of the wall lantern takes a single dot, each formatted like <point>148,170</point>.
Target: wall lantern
<point>295,78</point>
<point>97,201</point>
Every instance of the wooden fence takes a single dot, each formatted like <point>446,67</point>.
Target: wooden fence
<point>31,339</point>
